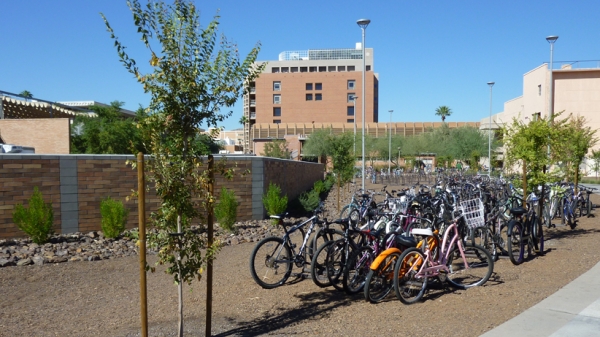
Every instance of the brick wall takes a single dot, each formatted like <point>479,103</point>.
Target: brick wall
<point>76,184</point>
<point>46,135</point>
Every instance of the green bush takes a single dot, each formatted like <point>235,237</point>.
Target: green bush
<point>273,201</point>
<point>310,200</point>
<point>114,217</point>
<point>329,182</point>
<point>319,187</point>
<point>226,210</point>
<point>37,220</point>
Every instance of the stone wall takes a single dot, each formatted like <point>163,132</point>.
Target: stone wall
<point>76,184</point>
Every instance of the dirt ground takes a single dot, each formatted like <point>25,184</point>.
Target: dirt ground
<point>101,298</point>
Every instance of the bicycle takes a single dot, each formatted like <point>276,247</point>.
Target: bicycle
<point>272,258</point>
<point>461,266</point>
<point>585,205</point>
<point>525,228</point>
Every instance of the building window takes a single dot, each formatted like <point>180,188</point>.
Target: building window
<point>368,68</point>
<point>294,69</point>
<point>318,97</point>
<point>537,116</point>
<point>350,111</point>
<point>351,68</point>
<point>276,99</point>
<point>277,121</point>
<point>312,69</point>
<point>276,86</point>
<point>341,68</point>
<point>318,86</point>
<point>309,97</point>
<point>285,69</point>
<point>309,86</point>
<point>350,120</point>
<point>331,68</point>
<point>351,84</point>
<point>351,97</point>
<point>539,90</point>
<point>275,69</point>
<point>303,69</point>
<point>276,111</point>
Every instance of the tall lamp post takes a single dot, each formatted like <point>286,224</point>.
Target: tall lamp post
<point>491,84</point>
<point>390,151</point>
<point>551,39</point>
<point>354,112</point>
<point>363,23</point>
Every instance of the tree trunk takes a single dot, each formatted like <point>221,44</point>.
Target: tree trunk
<point>180,285</point>
<point>524,184</point>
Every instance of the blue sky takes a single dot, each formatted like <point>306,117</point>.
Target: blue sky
<point>427,53</point>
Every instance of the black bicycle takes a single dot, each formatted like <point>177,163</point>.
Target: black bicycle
<point>273,258</point>
<point>525,228</point>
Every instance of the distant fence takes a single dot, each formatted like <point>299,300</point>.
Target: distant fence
<point>75,185</point>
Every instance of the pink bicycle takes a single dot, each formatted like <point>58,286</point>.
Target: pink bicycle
<point>461,266</point>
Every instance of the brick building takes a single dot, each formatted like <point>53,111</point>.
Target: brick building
<point>312,86</point>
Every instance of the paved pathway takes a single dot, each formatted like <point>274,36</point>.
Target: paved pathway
<point>573,311</point>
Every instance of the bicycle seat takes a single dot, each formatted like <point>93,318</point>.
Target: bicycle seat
<point>406,241</point>
<point>341,221</point>
<point>401,194</point>
<point>518,211</point>
<point>279,216</point>
<point>588,192</point>
<point>422,231</point>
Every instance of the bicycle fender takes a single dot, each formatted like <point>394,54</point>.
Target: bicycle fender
<point>383,255</point>
<point>511,224</point>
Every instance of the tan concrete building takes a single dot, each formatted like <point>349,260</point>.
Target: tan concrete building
<point>576,88</point>
<point>312,86</point>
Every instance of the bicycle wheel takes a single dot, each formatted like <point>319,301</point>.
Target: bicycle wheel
<point>357,269</point>
<point>501,237</point>
<point>473,270</point>
<point>345,213</point>
<point>515,244</point>
<point>408,287</point>
<point>335,262</point>
<point>482,236</point>
<point>354,216</point>
<point>318,269</point>
<point>380,282</point>
<point>270,262</point>
<point>321,236</point>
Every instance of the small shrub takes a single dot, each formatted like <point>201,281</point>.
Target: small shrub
<point>114,217</point>
<point>319,186</point>
<point>310,200</point>
<point>329,182</point>
<point>273,201</point>
<point>37,220</point>
<point>226,210</point>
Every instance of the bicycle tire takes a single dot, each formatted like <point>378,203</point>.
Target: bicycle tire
<point>335,262</point>
<point>480,267</point>
<point>515,244</point>
<point>357,269</point>
<point>408,288</point>
<point>345,213</point>
<point>502,237</point>
<point>318,269</point>
<point>482,236</point>
<point>267,257</point>
<point>321,236</point>
<point>379,282</point>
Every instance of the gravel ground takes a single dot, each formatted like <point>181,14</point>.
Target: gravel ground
<point>101,298</point>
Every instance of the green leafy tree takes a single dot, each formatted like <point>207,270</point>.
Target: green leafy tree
<point>596,161</point>
<point>341,147</point>
<point>527,148</point>
<point>109,132</point>
<point>317,145</point>
<point>443,111</point>
<point>574,139</point>
<point>277,149</point>
<point>193,77</point>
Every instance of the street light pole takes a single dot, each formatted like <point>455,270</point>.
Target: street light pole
<point>551,39</point>
<point>354,112</point>
<point>491,84</point>
<point>390,151</point>
<point>363,23</point>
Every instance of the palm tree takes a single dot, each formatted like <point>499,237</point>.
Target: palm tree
<point>26,94</point>
<point>443,111</point>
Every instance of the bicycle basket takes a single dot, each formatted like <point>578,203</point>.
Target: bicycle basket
<point>472,212</point>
